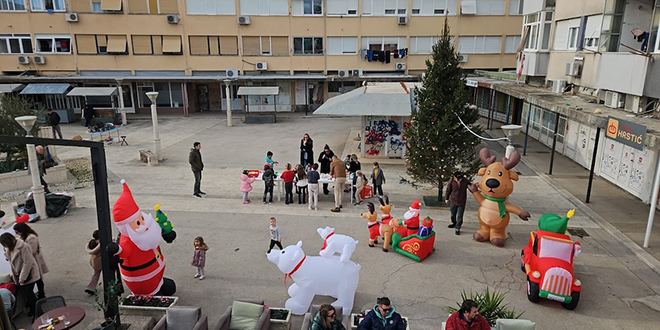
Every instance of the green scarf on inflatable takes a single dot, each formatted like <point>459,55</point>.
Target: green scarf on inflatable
<point>500,204</point>
<point>554,223</point>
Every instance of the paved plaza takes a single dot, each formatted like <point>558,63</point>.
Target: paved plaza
<point>615,279</point>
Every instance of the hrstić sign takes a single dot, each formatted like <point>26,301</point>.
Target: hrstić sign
<point>626,132</point>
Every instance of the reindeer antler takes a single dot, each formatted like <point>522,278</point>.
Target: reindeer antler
<point>512,161</point>
<point>381,201</point>
<point>485,156</point>
<point>371,207</point>
<point>387,200</point>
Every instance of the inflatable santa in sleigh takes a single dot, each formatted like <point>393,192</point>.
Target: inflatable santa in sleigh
<point>412,240</point>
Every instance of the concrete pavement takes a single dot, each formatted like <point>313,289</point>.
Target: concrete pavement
<point>614,278</point>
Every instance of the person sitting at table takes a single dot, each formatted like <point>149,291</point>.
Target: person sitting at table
<point>326,319</point>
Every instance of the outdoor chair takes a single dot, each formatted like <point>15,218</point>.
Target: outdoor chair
<point>245,314</point>
<point>47,304</point>
<point>514,324</point>
<point>183,318</point>
<point>313,309</point>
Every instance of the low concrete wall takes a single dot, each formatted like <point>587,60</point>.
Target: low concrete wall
<point>21,180</point>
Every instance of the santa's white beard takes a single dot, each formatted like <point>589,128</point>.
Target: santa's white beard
<point>146,238</point>
<point>410,214</point>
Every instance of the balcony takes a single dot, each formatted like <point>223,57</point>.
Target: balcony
<point>536,63</point>
<point>627,73</point>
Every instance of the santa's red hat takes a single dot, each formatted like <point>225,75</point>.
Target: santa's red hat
<point>415,206</point>
<point>125,209</point>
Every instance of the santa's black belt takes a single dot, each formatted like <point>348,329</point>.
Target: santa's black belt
<point>413,227</point>
<point>143,266</point>
<point>373,225</point>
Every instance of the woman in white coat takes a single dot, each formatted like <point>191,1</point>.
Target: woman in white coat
<point>29,236</point>
<point>24,269</point>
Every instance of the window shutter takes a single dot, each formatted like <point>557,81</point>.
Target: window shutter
<point>111,5</point>
<point>228,46</point>
<point>171,44</point>
<point>265,45</point>
<point>142,45</point>
<point>80,6</point>
<point>280,45</point>
<point>137,6</point>
<point>199,45</point>
<point>251,46</point>
<point>492,45</point>
<point>116,44</point>
<point>86,43</point>
<point>168,7</point>
<point>214,46</point>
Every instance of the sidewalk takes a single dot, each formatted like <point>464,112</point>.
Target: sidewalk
<point>615,210</point>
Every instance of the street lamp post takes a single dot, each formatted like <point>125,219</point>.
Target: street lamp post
<point>154,120</point>
<point>38,193</point>
<point>510,131</point>
<point>227,92</point>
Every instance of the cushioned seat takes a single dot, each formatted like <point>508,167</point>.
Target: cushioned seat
<point>313,309</point>
<point>252,313</point>
<point>183,318</point>
<point>514,324</point>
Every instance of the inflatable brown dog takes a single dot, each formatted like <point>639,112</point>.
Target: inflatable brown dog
<point>495,186</point>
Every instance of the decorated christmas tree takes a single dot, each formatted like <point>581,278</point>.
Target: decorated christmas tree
<point>438,145</point>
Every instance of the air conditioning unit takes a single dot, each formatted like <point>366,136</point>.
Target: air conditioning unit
<point>462,58</point>
<point>244,20</point>
<point>231,73</point>
<point>573,69</point>
<point>403,20</point>
<point>356,72</point>
<point>344,73</point>
<point>39,60</point>
<point>71,17</point>
<point>558,86</point>
<point>172,19</point>
<point>400,66</point>
<point>262,66</point>
<point>613,100</point>
<point>24,60</point>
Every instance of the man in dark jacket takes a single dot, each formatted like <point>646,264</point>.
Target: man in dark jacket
<point>41,161</point>
<point>195,160</point>
<point>88,114</point>
<point>467,318</point>
<point>325,158</point>
<point>456,196</point>
<point>382,317</point>
<point>54,122</point>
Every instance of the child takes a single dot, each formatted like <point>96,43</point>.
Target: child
<point>378,178</point>
<point>313,177</point>
<point>301,184</point>
<point>246,186</point>
<point>269,182</point>
<point>287,177</point>
<point>359,184</point>
<point>269,159</point>
<point>275,238</point>
<point>94,248</point>
<point>199,257</point>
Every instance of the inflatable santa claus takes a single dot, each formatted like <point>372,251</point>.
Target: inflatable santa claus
<point>411,218</point>
<point>142,264</point>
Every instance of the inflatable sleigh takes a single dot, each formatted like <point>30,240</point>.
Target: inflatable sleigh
<point>417,246</point>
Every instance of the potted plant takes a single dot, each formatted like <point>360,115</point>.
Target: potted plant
<point>491,305</point>
<point>154,306</point>
<point>106,302</point>
<point>280,318</point>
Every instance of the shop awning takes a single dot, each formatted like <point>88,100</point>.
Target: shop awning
<point>260,90</point>
<point>57,89</point>
<point>380,99</point>
<point>92,91</point>
<point>8,88</point>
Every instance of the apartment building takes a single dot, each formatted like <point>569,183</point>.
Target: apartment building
<point>185,49</point>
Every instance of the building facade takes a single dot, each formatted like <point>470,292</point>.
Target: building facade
<point>185,49</point>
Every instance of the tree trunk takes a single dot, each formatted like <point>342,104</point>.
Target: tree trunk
<point>440,200</point>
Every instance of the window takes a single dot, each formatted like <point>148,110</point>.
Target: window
<point>44,5</point>
<point>490,7</point>
<point>422,45</point>
<point>516,7</point>
<point>342,7</point>
<point>433,7</point>
<point>84,6</point>
<point>384,7</point>
<point>213,45</point>
<point>152,7</point>
<point>255,46</point>
<point>15,44</point>
<point>306,7</point>
<point>479,45</point>
<point>264,7</point>
<point>572,37</point>
<point>307,46</point>
<point>539,26</point>
<point>101,44</point>
<point>342,45</point>
<point>383,43</point>
<point>12,5</point>
<point>58,44</point>
<point>111,5</point>
<point>511,44</point>
<point>156,45</point>
<point>169,94</point>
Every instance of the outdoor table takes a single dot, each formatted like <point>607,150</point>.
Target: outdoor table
<point>116,129</point>
<point>75,315</point>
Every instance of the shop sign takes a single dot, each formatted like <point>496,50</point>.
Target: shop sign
<point>471,83</point>
<point>626,132</point>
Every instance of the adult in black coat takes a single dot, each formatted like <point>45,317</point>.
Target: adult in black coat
<point>88,114</point>
<point>306,150</point>
<point>382,317</point>
<point>325,158</point>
